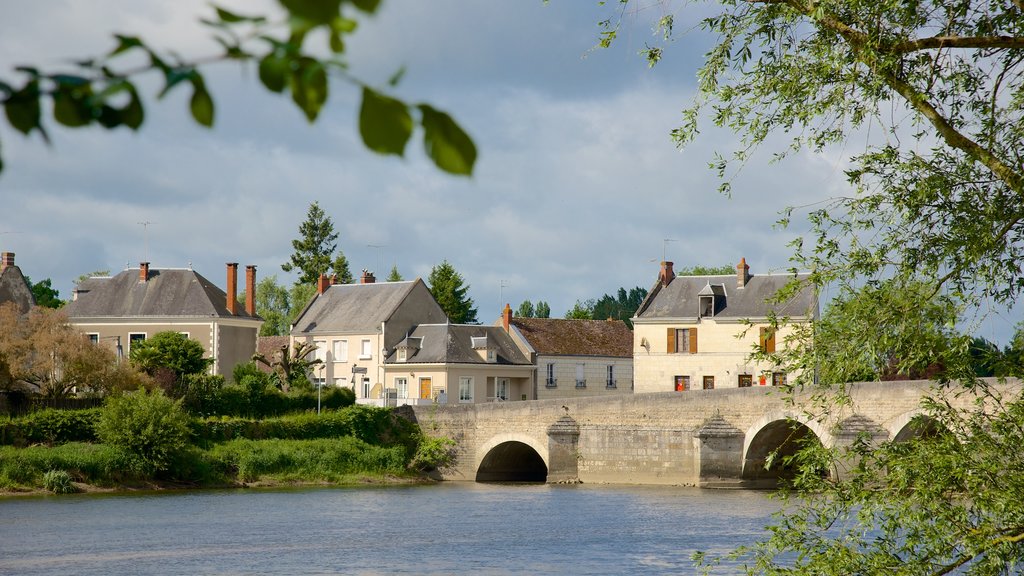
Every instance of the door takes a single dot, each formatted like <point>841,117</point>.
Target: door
<point>425,388</point>
<point>501,390</point>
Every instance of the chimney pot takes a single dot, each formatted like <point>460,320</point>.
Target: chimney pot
<point>6,260</point>
<point>506,316</point>
<point>667,274</point>
<point>143,271</point>
<point>322,283</point>
<point>250,290</point>
<point>742,273</point>
<point>367,278</point>
<point>232,291</point>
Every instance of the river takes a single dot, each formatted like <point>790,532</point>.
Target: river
<point>450,528</point>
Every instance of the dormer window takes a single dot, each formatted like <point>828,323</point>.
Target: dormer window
<point>707,306</point>
<point>403,354</point>
<point>711,300</point>
<point>484,349</point>
<point>407,348</point>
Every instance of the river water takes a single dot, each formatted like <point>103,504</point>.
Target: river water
<point>450,528</point>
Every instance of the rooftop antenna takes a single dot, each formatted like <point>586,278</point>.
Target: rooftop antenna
<point>145,238</point>
<point>664,248</point>
<point>501,292</point>
<point>380,256</point>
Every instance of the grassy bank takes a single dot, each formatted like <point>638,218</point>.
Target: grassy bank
<point>146,442</point>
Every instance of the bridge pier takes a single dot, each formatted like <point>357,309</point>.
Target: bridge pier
<point>718,452</point>
<point>856,428</point>
<point>563,451</point>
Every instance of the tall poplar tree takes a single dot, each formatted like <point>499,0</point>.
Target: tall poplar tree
<point>449,289</point>
<point>394,276</point>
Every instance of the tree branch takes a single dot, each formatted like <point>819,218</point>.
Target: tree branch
<point>934,42</point>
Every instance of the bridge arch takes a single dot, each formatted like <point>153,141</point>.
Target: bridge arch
<point>512,457</point>
<point>782,431</point>
<point>914,423</point>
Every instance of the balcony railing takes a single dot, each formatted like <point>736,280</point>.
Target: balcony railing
<point>610,384</point>
<point>581,383</point>
<point>551,383</point>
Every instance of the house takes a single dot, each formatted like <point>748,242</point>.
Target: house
<point>574,358</point>
<point>692,332</point>
<point>393,343</point>
<point>459,363</point>
<point>356,326</point>
<point>139,302</point>
<point>13,286</point>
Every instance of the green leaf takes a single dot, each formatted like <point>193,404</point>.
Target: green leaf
<point>273,70</point>
<point>384,123</point>
<point>396,77</point>
<point>317,11</point>
<point>451,149</point>
<point>234,17</point>
<point>133,114</point>
<point>22,108</point>
<point>368,6</point>
<point>309,86</point>
<point>201,103</point>
<point>71,106</point>
<point>173,77</point>
<point>337,44</point>
<point>125,43</point>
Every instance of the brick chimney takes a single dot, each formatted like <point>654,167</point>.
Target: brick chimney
<point>232,302</point>
<point>6,260</point>
<point>666,275</point>
<point>367,278</point>
<point>742,273</point>
<point>250,290</point>
<point>506,316</point>
<point>143,271</point>
<point>322,283</point>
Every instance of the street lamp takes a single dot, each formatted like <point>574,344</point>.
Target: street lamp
<point>319,387</point>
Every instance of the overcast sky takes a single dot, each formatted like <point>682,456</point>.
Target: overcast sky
<point>577,185</point>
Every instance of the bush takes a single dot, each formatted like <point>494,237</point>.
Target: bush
<point>324,460</point>
<point>58,482</point>
<point>50,427</point>
<point>149,426</point>
<point>93,463</point>
<point>433,454</point>
<point>199,393</point>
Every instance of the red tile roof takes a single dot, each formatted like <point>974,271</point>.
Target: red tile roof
<point>558,336</point>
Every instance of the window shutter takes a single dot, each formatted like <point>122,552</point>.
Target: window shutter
<point>767,340</point>
<point>693,340</point>
<point>671,340</point>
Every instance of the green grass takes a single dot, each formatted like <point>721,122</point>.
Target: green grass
<point>322,460</point>
<point>97,464</point>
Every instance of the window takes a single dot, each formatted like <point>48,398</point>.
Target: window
<point>707,306</point>
<point>465,389</point>
<point>403,354</point>
<point>778,378</point>
<point>581,380</point>
<point>550,381</point>
<point>490,355</point>
<point>93,337</point>
<point>682,383</point>
<point>767,340</point>
<point>365,350</point>
<point>682,340</point>
<point>501,389</point>
<point>611,376</point>
<point>320,352</point>
<point>709,382</point>
<point>340,350</point>
<point>134,337</point>
<point>746,381</point>
<point>402,385</point>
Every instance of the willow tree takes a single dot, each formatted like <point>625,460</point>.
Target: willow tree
<point>929,96</point>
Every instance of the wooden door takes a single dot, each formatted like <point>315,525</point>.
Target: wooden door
<point>425,388</point>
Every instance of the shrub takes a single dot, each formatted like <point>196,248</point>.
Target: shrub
<point>328,460</point>
<point>433,454</point>
<point>199,393</point>
<point>51,427</point>
<point>93,463</point>
<point>58,482</point>
<point>149,426</point>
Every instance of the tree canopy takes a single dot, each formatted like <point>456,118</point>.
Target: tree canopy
<point>394,275</point>
<point>314,247</point>
<point>450,291</point>
<point>44,293</point>
<point>171,351</point>
<point>284,50</point>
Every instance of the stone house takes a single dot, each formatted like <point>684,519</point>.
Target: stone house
<point>691,332</point>
<point>574,358</point>
<point>140,302</point>
<point>13,286</point>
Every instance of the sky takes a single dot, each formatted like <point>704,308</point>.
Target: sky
<point>578,189</point>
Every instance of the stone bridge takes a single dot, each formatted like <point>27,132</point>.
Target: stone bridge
<point>699,437</point>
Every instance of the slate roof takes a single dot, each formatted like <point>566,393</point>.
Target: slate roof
<point>681,298</point>
<point>167,292</point>
<point>354,308</point>
<point>14,288</point>
<point>452,344</point>
<point>564,337</point>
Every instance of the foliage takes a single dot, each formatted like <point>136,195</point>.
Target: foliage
<point>50,427</point>
<point>151,427</point>
<point>58,482</point>
<point>312,250</point>
<point>274,305</point>
<point>341,270</point>
<point>96,464</point>
<point>700,270</point>
<point>300,295</point>
<point>581,310</point>
<point>102,91</point>
<point>449,289</point>
<point>44,293</point>
<point>932,94</point>
<point>620,307</point>
<point>528,310</point>
<point>394,275</point>
<point>173,351</point>
<point>322,460</point>
<point>525,310</point>
<point>43,350</point>
<point>542,310</point>
<point>292,366</point>
<point>199,393</point>
<point>433,454</point>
